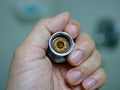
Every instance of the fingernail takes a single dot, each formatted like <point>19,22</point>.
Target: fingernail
<point>62,13</point>
<point>89,82</point>
<point>76,56</point>
<point>74,76</point>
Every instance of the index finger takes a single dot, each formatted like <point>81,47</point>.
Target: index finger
<point>73,28</point>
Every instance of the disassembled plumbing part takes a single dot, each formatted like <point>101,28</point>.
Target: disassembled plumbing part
<point>60,45</point>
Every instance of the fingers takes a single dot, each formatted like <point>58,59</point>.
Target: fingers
<point>95,81</point>
<point>76,75</point>
<point>84,47</point>
<point>36,43</point>
<point>42,31</point>
<point>73,28</point>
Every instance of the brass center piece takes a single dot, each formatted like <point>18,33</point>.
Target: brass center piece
<point>60,45</point>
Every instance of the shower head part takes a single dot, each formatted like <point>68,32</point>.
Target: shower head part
<point>60,45</point>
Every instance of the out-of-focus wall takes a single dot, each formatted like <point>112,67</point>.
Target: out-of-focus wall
<point>13,30</point>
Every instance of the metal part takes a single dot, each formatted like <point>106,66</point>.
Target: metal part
<point>60,45</point>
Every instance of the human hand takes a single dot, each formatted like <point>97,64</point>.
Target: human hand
<point>32,70</point>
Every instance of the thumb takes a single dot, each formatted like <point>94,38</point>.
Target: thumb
<point>30,68</point>
<point>45,27</point>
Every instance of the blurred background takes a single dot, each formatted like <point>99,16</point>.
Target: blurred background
<point>99,18</point>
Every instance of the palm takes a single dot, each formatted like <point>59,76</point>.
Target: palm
<point>59,72</point>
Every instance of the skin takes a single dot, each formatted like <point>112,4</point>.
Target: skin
<point>32,70</point>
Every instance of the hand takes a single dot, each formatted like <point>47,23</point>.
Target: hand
<point>32,70</point>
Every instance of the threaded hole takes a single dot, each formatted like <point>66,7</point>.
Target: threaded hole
<point>60,45</point>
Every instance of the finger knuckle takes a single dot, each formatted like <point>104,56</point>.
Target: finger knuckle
<point>91,43</point>
<point>87,42</point>
<point>92,63</point>
<point>97,57</point>
<point>76,22</point>
<point>103,74</point>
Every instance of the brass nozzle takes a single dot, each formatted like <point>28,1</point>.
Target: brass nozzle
<point>60,45</point>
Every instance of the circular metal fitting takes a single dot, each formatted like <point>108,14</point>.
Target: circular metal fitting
<point>61,44</point>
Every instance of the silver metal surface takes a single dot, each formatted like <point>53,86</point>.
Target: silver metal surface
<point>59,56</point>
